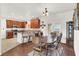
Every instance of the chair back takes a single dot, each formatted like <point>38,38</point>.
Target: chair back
<point>36,40</point>
<point>53,35</point>
<point>24,34</point>
<point>39,41</point>
<point>59,40</point>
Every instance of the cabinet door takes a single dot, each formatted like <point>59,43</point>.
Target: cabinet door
<point>15,23</point>
<point>23,24</point>
<point>18,24</point>
<point>35,23</point>
<point>9,23</point>
<point>9,35</point>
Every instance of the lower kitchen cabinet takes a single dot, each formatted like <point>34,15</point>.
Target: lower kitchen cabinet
<point>9,35</point>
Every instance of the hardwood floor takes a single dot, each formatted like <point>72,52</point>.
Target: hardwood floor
<point>20,50</point>
<point>69,51</point>
<point>24,49</point>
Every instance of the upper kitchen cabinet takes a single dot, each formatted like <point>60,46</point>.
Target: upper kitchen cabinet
<point>35,23</point>
<point>15,24</point>
<point>9,23</point>
<point>20,24</point>
<point>23,24</point>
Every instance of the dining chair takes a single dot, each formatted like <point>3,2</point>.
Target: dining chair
<point>53,35</point>
<point>59,40</point>
<point>52,47</point>
<point>39,46</point>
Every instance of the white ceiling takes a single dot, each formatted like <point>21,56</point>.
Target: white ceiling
<point>34,9</point>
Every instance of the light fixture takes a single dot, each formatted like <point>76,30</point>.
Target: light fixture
<point>45,13</point>
<point>42,25</point>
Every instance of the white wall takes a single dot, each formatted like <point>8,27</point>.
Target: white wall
<point>3,28</point>
<point>0,40</point>
<point>2,31</point>
<point>0,46</point>
<point>76,42</point>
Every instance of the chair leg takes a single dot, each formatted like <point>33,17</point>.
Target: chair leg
<point>23,40</point>
<point>50,53</point>
<point>33,53</point>
<point>58,52</point>
<point>39,53</point>
<point>46,52</point>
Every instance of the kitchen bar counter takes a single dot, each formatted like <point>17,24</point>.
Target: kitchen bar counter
<point>24,36</point>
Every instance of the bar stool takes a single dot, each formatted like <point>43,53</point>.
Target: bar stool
<point>25,36</point>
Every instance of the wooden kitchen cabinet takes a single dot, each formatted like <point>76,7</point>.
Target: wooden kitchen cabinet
<point>35,23</point>
<point>23,24</point>
<point>20,24</point>
<point>13,24</point>
<point>9,23</point>
<point>9,35</point>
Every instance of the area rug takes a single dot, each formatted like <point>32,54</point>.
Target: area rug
<point>58,52</point>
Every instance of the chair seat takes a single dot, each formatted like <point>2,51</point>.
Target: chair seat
<point>37,49</point>
<point>51,46</point>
